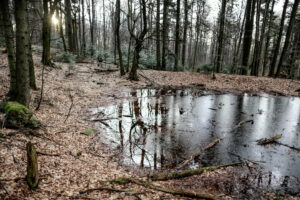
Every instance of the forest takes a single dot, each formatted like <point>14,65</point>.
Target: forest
<point>149,99</point>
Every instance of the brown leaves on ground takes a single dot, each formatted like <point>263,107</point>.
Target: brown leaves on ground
<point>84,162</point>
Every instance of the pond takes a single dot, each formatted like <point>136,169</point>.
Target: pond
<point>160,128</point>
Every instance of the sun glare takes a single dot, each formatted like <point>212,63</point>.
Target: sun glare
<point>54,20</point>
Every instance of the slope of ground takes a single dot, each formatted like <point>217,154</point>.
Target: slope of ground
<point>75,161</point>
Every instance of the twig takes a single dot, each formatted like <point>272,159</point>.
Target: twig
<point>69,108</point>
<point>210,145</point>
<point>286,145</point>
<point>148,79</point>
<point>46,154</point>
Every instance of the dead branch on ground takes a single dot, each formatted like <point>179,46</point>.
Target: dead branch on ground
<point>185,173</point>
<point>162,189</point>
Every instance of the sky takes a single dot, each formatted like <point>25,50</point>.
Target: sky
<point>216,4</point>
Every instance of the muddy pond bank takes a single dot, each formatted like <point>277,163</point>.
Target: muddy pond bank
<point>159,128</point>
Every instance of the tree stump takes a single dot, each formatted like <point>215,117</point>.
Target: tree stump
<point>32,177</point>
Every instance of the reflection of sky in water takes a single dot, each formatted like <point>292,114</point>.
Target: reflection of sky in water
<point>161,129</point>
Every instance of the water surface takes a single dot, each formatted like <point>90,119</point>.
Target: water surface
<point>162,128</point>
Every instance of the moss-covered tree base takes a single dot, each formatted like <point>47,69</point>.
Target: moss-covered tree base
<point>18,116</point>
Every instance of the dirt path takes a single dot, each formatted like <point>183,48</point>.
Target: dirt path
<point>83,162</point>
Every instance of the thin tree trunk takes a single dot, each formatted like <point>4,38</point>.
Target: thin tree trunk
<point>177,36</point>
<point>83,29</point>
<point>118,10</point>
<point>185,27</point>
<point>158,58</point>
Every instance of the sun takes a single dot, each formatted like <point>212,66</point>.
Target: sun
<point>54,20</point>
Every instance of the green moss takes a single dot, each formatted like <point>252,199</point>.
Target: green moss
<point>88,131</point>
<point>78,153</point>
<point>121,180</point>
<point>18,116</point>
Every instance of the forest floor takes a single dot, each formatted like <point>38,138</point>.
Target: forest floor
<point>77,162</point>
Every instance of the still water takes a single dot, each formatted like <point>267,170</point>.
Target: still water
<point>161,128</point>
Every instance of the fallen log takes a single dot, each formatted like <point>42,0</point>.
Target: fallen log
<point>265,141</point>
<point>145,184</point>
<point>32,177</point>
<point>192,157</point>
<point>185,173</point>
<point>129,192</point>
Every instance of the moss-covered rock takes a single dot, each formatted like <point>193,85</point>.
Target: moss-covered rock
<point>18,116</point>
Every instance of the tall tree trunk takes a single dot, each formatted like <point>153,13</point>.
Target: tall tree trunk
<point>247,35</point>
<point>288,36</point>
<point>139,44</point>
<point>278,41</point>
<point>46,57</point>
<point>118,12</point>
<point>268,38</point>
<point>165,34</point>
<point>185,27</point>
<point>93,27</point>
<point>61,32</point>
<point>10,46</point>
<point>256,56</point>
<point>218,64</point>
<point>22,49</point>
<point>69,28</point>
<point>158,60</point>
<point>177,36</point>
<point>83,29</point>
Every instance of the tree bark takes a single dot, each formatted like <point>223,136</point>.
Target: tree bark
<point>32,167</point>
<point>288,36</point>
<point>158,57</point>
<point>278,41</point>
<point>177,36</point>
<point>185,27</point>
<point>83,30</point>
<point>247,35</point>
<point>165,34</point>
<point>10,46</point>
<point>22,50</point>
<point>218,64</point>
<point>118,12</point>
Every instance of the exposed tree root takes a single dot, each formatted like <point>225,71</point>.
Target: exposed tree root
<point>265,141</point>
<point>185,173</point>
<point>210,145</point>
<point>145,184</point>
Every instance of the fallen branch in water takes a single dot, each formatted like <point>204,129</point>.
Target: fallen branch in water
<point>185,173</point>
<point>265,141</point>
<point>145,184</point>
<point>210,145</point>
<point>241,123</point>
<point>286,145</point>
